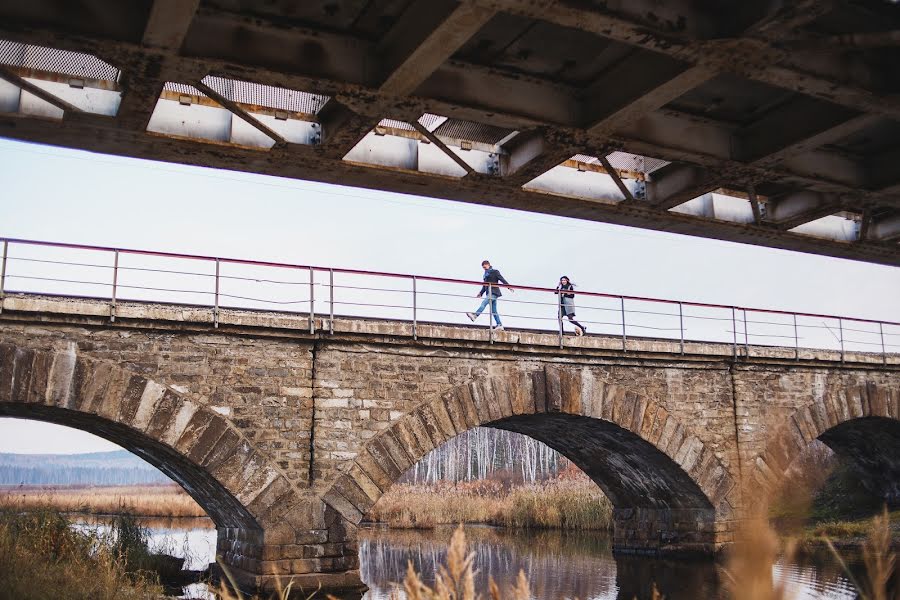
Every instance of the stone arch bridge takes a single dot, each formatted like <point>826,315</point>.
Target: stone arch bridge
<point>287,438</point>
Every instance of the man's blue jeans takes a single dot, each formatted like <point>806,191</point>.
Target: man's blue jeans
<point>493,301</point>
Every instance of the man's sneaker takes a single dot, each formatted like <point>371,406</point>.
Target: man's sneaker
<point>471,316</point>
<point>498,328</point>
<point>579,330</point>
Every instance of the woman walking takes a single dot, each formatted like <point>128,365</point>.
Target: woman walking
<point>566,290</point>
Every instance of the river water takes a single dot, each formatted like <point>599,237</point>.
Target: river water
<point>559,565</point>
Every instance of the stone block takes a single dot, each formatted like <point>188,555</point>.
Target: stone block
<point>408,439</point>
<point>152,394</point>
<point>553,388</point>
<point>480,402</point>
<point>365,483</point>
<point>40,374</point>
<point>463,395</point>
<point>207,440</point>
<point>371,468</point>
<point>20,382</point>
<point>455,411</point>
<point>178,425</point>
<point>347,487</point>
<point>131,398</point>
<point>442,419</point>
<point>499,387</point>
<point>570,388</point>
<point>59,380</point>
<point>343,506</point>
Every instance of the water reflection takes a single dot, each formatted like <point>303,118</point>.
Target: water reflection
<point>570,565</point>
<point>558,564</point>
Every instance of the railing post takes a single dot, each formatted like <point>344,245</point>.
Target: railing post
<point>559,318</point>
<point>415,316</point>
<point>3,274</point>
<point>883,352</point>
<point>746,342</point>
<point>624,337</point>
<point>112,304</point>
<point>681,325</point>
<point>331,301</point>
<point>312,301</point>
<point>841,330</point>
<point>216,307</point>
<point>490,307</point>
<point>796,340</point>
<point>733,334</point>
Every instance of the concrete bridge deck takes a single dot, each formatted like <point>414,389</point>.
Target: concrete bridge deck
<point>287,437</point>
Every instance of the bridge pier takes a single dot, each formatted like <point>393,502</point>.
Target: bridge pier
<point>309,547</point>
<point>668,531</point>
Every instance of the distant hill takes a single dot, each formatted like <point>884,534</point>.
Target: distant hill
<point>119,467</point>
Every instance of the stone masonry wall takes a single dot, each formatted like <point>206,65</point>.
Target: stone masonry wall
<point>314,405</point>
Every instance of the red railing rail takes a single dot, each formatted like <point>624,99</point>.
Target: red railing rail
<point>417,280</point>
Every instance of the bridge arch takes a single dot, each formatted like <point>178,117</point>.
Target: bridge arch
<point>859,422</point>
<point>669,490</point>
<point>255,508</point>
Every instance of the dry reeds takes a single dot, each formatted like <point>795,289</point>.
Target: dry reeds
<point>563,503</point>
<point>42,558</point>
<point>165,500</point>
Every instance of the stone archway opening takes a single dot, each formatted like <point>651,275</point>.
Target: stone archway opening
<point>850,470</point>
<point>220,505</point>
<point>657,507</point>
<point>489,475</point>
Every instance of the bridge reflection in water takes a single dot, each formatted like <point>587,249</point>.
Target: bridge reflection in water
<point>569,564</point>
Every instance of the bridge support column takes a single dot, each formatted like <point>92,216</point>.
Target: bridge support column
<point>663,531</point>
<point>312,547</point>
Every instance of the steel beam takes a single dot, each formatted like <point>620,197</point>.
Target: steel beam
<point>753,58</point>
<point>886,229</point>
<point>676,184</point>
<point>614,175</point>
<point>622,98</point>
<point>10,76</point>
<point>425,36</point>
<point>459,90</point>
<point>307,163</point>
<point>237,110</point>
<point>169,22</point>
<point>793,210</point>
<point>799,125</point>
<point>443,147</point>
<point>530,154</point>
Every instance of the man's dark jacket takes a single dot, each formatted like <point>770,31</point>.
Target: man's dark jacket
<point>492,276</point>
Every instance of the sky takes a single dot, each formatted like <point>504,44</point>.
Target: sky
<point>53,194</point>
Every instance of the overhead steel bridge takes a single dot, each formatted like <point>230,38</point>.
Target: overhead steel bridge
<point>770,123</point>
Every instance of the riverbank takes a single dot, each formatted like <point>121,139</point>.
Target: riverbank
<point>163,500</point>
<point>42,556</point>
<point>574,503</point>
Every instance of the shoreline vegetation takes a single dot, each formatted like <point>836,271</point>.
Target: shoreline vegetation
<point>570,501</point>
<point>565,502</point>
<point>156,500</point>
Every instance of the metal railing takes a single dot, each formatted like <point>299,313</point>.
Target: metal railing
<point>216,283</point>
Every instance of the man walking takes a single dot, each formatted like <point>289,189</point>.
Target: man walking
<point>491,292</point>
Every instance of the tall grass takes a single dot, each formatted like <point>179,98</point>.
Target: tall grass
<point>165,500</point>
<point>43,558</point>
<point>563,503</point>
